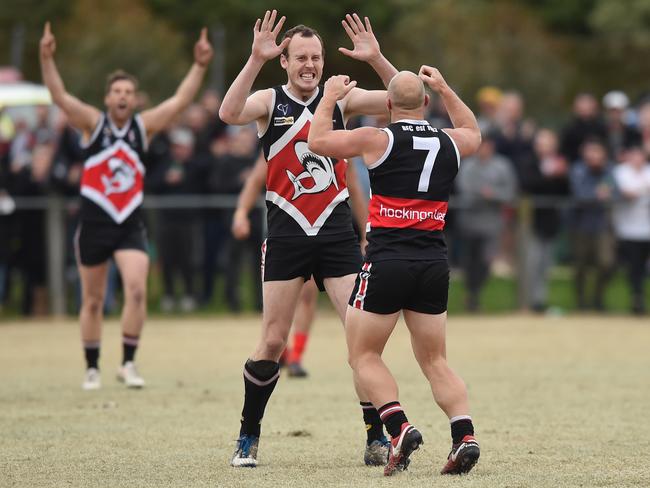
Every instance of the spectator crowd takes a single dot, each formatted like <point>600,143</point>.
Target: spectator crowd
<point>587,188</point>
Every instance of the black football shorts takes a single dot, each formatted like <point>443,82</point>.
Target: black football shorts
<point>387,287</point>
<point>95,242</point>
<point>286,258</point>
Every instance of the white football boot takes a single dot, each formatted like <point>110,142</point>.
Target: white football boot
<point>92,380</point>
<point>128,374</point>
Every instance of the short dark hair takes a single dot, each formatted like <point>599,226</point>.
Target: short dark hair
<point>304,31</point>
<point>118,76</point>
<point>591,139</point>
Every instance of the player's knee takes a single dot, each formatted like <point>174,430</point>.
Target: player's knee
<point>275,344</point>
<point>357,359</point>
<point>136,294</point>
<point>434,368</point>
<point>351,361</point>
<point>354,359</point>
<point>93,304</point>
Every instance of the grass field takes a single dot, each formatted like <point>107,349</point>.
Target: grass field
<point>557,403</point>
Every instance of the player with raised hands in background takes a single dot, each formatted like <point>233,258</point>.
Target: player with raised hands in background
<point>412,168</point>
<point>114,142</point>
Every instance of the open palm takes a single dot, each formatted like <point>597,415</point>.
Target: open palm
<point>366,46</point>
<point>264,36</point>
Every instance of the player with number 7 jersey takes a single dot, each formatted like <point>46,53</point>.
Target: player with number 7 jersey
<point>410,185</point>
<point>412,169</point>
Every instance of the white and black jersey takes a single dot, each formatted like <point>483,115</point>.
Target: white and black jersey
<point>410,186</point>
<point>113,174</point>
<point>306,193</point>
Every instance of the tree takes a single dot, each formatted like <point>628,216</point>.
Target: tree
<point>477,43</point>
<point>103,35</point>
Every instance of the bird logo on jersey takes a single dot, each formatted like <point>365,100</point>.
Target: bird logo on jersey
<point>318,169</point>
<point>122,177</point>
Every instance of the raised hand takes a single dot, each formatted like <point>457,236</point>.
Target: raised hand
<point>366,46</point>
<point>264,36</point>
<point>203,49</point>
<point>338,87</point>
<point>48,42</point>
<point>432,77</point>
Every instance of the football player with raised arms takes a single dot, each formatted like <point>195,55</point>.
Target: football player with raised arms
<point>412,168</point>
<point>310,229</point>
<point>111,226</point>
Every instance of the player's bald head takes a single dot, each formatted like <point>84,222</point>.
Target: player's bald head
<point>406,91</point>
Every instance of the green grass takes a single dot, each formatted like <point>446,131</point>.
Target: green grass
<point>557,402</point>
<point>498,296</point>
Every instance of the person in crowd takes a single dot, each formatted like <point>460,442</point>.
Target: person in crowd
<point>214,229</point>
<point>585,122</point>
<point>6,204</point>
<point>514,134</point>
<point>546,175</point>
<point>486,181</point>
<point>644,127</point>
<point>228,178</point>
<point>488,99</point>
<point>632,220</point>
<point>177,176</point>
<point>31,155</point>
<point>435,114</point>
<point>211,101</point>
<point>195,118</point>
<point>7,207</point>
<point>620,134</point>
<point>592,186</point>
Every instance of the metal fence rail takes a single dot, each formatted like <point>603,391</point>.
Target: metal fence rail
<point>57,207</point>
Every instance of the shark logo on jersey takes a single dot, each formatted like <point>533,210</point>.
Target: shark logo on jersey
<point>122,177</point>
<point>318,169</point>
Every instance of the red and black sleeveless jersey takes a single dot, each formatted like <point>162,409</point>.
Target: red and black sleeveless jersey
<point>306,193</point>
<point>410,187</point>
<point>113,173</point>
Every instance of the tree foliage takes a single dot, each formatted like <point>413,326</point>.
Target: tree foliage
<point>570,17</point>
<point>103,35</point>
<point>547,49</point>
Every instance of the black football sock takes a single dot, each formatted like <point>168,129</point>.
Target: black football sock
<point>129,347</point>
<point>91,352</point>
<point>393,417</point>
<point>260,378</point>
<point>460,427</point>
<point>374,427</point>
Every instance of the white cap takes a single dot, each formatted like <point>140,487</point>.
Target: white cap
<point>181,137</point>
<point>616,99</point>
